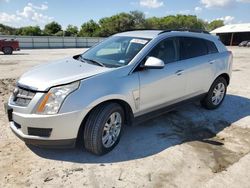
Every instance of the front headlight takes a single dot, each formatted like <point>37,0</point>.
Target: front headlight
<point>53,100</point>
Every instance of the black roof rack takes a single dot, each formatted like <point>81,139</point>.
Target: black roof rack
<point>185,30</point>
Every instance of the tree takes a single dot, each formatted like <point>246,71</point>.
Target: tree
<point>138,19</point>
<point>7,30</point>
<point>52,28</point>
<point>175,22</point>
<point>71,30</point>
<point>29,31</point>
<point>89,29</point>
<point>181,22</point>
<point>215,24</point>
<point>117,23</point>
<point>153,23</point>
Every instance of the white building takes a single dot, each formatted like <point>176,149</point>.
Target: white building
<point>233,34</point>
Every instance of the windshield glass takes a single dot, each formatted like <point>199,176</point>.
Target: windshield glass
<point>115,51</point>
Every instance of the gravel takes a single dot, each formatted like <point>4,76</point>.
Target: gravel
<point>188,147</point>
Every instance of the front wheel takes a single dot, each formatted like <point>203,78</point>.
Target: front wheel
<point>103,127</point>
<point>7,50</point>
<point>216,94</point>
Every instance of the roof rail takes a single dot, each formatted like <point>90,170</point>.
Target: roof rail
<point>185,30</point>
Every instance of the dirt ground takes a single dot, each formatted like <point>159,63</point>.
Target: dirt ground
<point>188,147</point>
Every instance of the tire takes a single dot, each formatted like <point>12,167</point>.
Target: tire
<point>210,101</point>
<point>97,128</point>
<point>7,50</point>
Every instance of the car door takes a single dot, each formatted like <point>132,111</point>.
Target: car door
<point>199,64</point>
<point>161,87</point>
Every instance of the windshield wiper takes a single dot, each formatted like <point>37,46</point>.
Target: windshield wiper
<point>93,61</point>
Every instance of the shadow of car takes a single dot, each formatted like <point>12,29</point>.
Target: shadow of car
<point>185,124</point>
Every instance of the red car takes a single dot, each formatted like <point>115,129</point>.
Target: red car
<point>8,46</point>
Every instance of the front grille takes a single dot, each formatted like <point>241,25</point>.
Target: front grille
<point>39,132</point>
<point>22,97</point>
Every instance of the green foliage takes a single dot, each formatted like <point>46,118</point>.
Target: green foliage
<point>89,29</point>
<point>117,23</point>
<point>71,31</point>
<point>7,30</point>
<point>29,31</point>
<point>52,28</point>
<point>153,23</point>
<point>175,22</point>
<point>139,20</point>
<point>215,24</point>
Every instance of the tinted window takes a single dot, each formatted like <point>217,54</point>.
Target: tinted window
<point>192,47</point>
<point>211,47</point>
<point>165,50</point>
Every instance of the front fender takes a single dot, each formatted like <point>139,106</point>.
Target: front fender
<point>100,89</point>
<point>112,97</point>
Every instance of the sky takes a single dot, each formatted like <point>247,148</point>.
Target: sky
<point>19,13</point>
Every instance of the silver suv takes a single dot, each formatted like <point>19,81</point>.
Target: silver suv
<point>91,96</point>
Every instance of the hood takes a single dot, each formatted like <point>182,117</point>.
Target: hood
<point>42,77</point>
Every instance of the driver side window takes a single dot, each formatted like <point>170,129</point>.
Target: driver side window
<point>166,50</point>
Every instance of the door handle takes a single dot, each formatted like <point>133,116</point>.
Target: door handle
<point>179,72</point>
<point>212,62</point>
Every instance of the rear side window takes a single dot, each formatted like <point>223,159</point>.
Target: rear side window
<point>192,47</point>
<point>211,47</point>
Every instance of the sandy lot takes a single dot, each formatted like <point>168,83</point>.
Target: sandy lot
<point>188,147</point>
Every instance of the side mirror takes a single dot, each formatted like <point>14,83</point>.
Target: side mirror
<point>154,63</point>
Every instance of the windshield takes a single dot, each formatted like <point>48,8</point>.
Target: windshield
<point>116,51</point>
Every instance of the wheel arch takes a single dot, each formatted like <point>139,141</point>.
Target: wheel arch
<point>7,47</point>
<point>225,76</point>
<point>129,116</point>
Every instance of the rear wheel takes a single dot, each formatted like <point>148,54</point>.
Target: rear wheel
<point>216,94</point>
<point>103,127</point>
<point>7,50</point>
